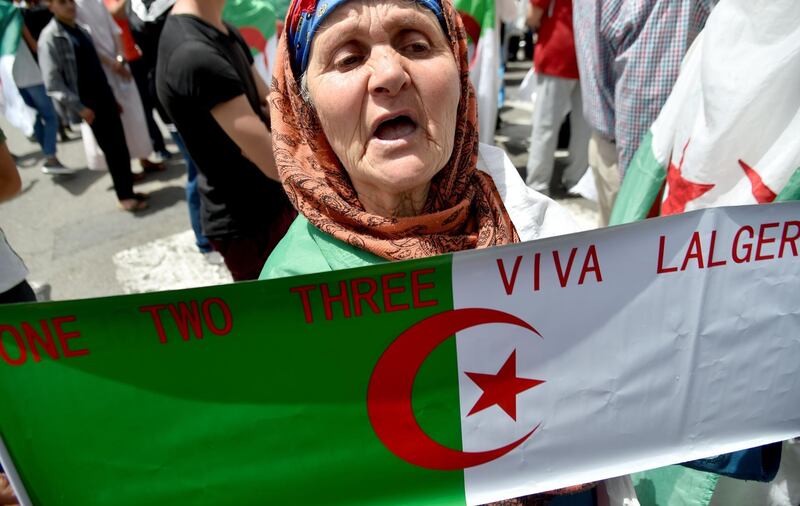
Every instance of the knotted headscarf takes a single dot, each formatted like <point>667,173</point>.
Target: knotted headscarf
<point>463,209</point>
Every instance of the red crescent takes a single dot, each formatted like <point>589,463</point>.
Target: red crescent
<point>392,382</point>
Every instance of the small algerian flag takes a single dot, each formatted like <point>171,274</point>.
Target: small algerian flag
<point>259,22</point>
<point>730,131</point>
<point>451,380</point>
<point>11,103</point>
<point>480,22</point>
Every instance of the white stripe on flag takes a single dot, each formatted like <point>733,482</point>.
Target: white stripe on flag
<point>641,369</point>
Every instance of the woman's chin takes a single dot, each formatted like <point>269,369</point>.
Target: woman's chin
<point>401,174</point>
<point>402,160</point>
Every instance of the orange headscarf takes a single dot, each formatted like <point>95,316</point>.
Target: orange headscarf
<point>463,210</point>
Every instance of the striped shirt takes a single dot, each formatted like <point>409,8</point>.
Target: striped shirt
<point>629,55</point>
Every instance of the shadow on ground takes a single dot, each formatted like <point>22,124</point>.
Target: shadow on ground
<point>29,160</point>
<point>163,198</point>
<point>77,184</point>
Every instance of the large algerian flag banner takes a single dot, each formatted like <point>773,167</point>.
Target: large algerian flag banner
<point>730,131</point>
<point>259,22</point>
<point>480,22</point>
<point>458,379</point>
<point>12,106</point>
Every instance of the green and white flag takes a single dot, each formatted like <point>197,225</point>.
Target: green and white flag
<point>480,22</point>
<point>729,134</point>
<point>12,106</point>
<point>260,23</point>
<point>349,388</point>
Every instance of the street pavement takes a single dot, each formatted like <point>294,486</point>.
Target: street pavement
<point>72,235</point>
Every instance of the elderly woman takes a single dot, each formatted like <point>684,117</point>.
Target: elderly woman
<point>375,133</point>
<point>375,136</point>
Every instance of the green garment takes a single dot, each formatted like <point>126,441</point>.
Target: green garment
<point>674,486</point>
<point>306,250</point>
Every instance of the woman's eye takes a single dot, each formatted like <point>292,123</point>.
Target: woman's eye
<point>417,47</point>
<point>348,61</point>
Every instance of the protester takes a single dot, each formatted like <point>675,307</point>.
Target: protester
<point>13,287</point>
<point>93,16</point>
<point>28,78</point>
<point>74,77</point>
<point>141,71</point>
<point>558,93</point>
<point>146,22</point>
<point>36,16</point>
<point>406,177</point>
<point>207,83</point>
<point>629,56</point>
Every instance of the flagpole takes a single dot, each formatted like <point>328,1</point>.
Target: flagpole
<point>13,476</point>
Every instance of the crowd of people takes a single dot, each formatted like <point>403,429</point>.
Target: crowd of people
<point>95,62</point>
<point>365,149</point>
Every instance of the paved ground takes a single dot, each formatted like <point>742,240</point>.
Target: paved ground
<point>71,234</point>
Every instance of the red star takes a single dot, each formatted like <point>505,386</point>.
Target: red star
<point>501,388</point>
<point>761,192</point>
<point>681,190</point>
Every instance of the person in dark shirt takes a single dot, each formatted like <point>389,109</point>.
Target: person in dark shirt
<point>146,20</point>
<point>205,80</point>
<point>74,77</point>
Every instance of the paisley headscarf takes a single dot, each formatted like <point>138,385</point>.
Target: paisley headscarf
<point>463,209</point>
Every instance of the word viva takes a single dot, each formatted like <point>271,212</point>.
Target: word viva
<point>564,266</point>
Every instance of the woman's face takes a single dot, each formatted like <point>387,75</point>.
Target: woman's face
<point>385,86</point>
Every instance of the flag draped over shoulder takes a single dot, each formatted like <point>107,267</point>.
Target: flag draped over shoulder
<point>480,22</point>
<point>259,22</point>
<point>11,103</point>
<point>729,133</point>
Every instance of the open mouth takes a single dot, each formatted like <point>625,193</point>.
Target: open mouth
<point>395,128</point>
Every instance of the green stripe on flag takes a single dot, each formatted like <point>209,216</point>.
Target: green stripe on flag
<point>792,189</point>
<point>481,11</point>
<point>10,28</point>
<point>267,411</point>
<point>255,19</point>
<point>641,185</point>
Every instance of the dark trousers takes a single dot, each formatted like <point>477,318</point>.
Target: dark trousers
<point>107,130</point>
<point>20,293</point>
<point>142,75</point>
<point>245,255</point>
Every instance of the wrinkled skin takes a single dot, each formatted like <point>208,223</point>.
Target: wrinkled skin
<point>373,61</point>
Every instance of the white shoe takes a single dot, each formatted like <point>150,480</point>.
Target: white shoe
<point>56,169</point>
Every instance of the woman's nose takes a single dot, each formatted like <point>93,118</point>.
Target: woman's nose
<point>389,76</point>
